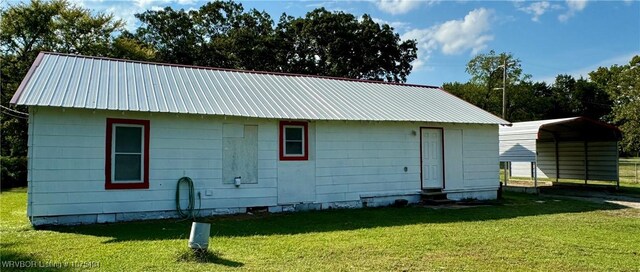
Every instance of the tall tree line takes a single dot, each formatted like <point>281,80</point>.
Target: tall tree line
<point>219,34</point>
<point>610,94</point>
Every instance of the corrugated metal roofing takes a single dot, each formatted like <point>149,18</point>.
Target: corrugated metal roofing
<point>74,81</point>
<point>530,127</point>
<point>518,142</point>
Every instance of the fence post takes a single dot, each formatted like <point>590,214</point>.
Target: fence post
<point>636,172</point>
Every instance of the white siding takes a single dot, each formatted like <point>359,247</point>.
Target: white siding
<point>355,158</point>
<point>480,154</point>
<point>346,161</point>
<point>297,179</point>
<point>67,163</point>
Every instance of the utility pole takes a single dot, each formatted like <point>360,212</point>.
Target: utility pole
<point>504,88</point>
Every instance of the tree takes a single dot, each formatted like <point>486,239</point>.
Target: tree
<point>622,83</point>
<point>338,44</point>
<point>27,29</point>
<point>487,70</point>
<point>223,34</point>
<point>526,100</point>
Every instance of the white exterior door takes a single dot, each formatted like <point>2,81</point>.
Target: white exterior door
<point>432,158</point>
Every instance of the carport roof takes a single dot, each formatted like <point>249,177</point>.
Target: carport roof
<point>565,129</point>
<point>579,129</point>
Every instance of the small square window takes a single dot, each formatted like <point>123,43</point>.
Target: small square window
<point>293,141</point>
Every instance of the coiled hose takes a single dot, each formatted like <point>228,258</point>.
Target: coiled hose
<point>190,211</point>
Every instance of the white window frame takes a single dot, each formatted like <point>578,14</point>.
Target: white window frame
<point>284,141</point>
<point>113,153</point>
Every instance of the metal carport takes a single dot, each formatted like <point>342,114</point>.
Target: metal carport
<point>569,148</point>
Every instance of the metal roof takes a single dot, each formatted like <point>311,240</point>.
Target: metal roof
<point>74,81</point>
<point>518,142</point>
<point>530,127</point>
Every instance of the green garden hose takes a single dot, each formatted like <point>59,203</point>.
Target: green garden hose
<point>190,211</point>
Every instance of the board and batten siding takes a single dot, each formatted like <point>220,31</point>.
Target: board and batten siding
<point>347,161</point>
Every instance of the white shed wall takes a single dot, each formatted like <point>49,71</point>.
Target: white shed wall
<point>348,161</point>
<point>67,163</point>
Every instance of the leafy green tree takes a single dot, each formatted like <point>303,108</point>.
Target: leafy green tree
<point>27,29</point>
<point>526,100</point>
<point>339,44</point>
<point>223,34</point>
<point>622,83</point>
<point>487,70</point>
<point>571,97</point>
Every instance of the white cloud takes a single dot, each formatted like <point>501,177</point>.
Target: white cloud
<point>395,24</point>
<point>454,37</point>
<point>127,15</point>
<point>401,6</point>
<point>577,5</point>
<point>573,6</point>
<point>143,3</point>
<point>536,9</point>
<point>126,11</point>
<point>187,2</point>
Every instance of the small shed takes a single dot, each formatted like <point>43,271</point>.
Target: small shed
<point>568,148</point>
<point>110,140</point>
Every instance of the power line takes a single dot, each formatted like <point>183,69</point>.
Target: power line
<point>14,111</point>
<point>16,116</point>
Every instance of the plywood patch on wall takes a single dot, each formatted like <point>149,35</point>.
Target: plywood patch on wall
<point>240,153</point>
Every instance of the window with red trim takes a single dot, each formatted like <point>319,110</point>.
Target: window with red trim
<point>294,144</point>
<point>127,154</point>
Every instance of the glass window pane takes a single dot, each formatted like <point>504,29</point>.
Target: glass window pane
<point>293,133</point>
<point>293,148</point>
<point>129,139</point>
<point>128,167</point>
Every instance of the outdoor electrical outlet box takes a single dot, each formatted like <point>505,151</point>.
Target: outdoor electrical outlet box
<point>208,192</point>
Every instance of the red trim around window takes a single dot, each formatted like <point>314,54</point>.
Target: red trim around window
<point>305,125</point>
<point>107,167</point>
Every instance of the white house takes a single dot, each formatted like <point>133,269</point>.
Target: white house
<point>569,148</point>
<point>110,138</point>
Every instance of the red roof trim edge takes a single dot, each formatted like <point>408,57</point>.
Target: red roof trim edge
<point>25,80</point>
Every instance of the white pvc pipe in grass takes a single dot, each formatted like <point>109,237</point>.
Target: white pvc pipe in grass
<point>199,237</point>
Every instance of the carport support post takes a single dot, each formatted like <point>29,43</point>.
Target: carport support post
<point>586,162</point>
<point>618,167</point>
<point>535,176</point>
<point>505,172</point>
<point>555,141</point>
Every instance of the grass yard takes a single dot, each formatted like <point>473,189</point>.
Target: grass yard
<point>522,233</point>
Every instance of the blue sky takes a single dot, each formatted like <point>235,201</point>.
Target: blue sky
<point>549,37</point>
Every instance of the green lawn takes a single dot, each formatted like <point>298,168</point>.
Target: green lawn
<point>522,233</point>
